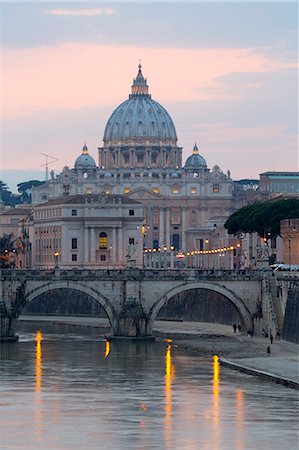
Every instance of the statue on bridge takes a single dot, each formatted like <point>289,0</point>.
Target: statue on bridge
<point>131,255</point>
<point>263,255</point>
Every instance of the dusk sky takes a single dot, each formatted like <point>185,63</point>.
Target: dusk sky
<point>227,73</point>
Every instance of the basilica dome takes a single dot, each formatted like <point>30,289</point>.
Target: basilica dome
<point>140,120</point>
<point>196,161</point>
<point>85,161</point>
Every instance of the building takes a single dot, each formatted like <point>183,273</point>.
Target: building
<point>140,159</point>
<point>91,231</point>
<point>274,184</point>
<point>14,222</point>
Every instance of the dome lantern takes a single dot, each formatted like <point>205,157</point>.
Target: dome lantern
<point>139,86</point>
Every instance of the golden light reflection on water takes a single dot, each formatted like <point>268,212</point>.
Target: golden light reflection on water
<point>107,348</point>
<point>38,383</point>
<point>38,361</point>
<point>169,377</point>
<point>216,415</point>
<point>240,445</point>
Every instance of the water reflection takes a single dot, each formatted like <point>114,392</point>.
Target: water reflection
<point>240,420</point>
<point>142,396</point>
<point>216,418</point>
<point>169,376</point>
<point>38,361</point>
<point>107,348</point>
<point>38,384</point>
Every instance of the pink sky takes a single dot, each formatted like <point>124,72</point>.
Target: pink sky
<point>65,71</point>
<point>74,76</point>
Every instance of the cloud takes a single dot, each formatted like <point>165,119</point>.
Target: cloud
<point>80,12</point>
<point>80,75</point>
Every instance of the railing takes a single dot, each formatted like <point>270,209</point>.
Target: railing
<point>140,274</point>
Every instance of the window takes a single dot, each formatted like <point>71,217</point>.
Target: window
<point>175,190</point>
<point>155,243</point>
<point>126,190</point>
<point>74,243</point>
<point>139,158</point>
<point>176,241</point>
<point>74,257</point>
<point>74,212</point>
<point>103,241</point>
<point>156,190</point>
<point>131,212</point>
<point>103,257</point>
<point>193,190</point>
<point>216,188</point>
<point>131,241</point>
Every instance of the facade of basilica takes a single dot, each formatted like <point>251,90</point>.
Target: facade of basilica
<point>183,205</point>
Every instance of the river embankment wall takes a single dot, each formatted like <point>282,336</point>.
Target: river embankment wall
<point>290,330</point>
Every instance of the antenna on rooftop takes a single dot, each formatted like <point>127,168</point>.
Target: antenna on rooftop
<point>49,160</point>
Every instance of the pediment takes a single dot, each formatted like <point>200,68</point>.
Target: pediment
<point>141,193</point>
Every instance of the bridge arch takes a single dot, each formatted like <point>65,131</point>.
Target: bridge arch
<point>246,318</point>
<point>81,287</point>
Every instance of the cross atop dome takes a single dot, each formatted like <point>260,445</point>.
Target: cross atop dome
<point>195,149</point>
<point>139,86</point>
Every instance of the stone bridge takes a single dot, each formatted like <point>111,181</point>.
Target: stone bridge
<point>132,298</point>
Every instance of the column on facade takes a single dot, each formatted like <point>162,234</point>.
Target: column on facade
<point>106,159</point>
<point>149,227</point>
<point>184,224</point>
<point>161,227</point>
<point>114,244</point>
<point>167,228</point>
<point>149,158</point>
<point>131,157</point>
<point>92,246</point>
<point>100,157</point>
<point>122,245</point>
<point>86,246</point>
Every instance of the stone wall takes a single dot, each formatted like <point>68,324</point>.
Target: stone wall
<point>290,330</point>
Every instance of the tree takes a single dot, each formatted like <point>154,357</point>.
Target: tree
<point>6,196</point>
<point>25,189</point>
<point>6,247</point>
<point>262,217</point>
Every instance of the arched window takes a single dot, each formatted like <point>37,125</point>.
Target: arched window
<point>103,241</point>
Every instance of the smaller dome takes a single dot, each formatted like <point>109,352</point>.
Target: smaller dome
<point>196,161</point>
<point>85,161</point>
<point>107,175</point>
<point>174,175</point>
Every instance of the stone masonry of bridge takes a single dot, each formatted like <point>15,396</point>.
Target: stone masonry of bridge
<point>132,297</point>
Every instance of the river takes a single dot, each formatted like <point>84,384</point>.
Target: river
<point>64,387</point>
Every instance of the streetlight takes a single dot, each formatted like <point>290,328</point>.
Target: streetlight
<point>56,256</point>
<point>171,257</point>
<point>165,257</point>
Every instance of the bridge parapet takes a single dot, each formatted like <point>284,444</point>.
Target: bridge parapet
<point>130,274</point>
